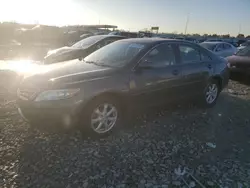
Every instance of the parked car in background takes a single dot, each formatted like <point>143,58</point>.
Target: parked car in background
<point>191,39</point>
<point>244,45</point>
<point>97,92</point>
<point>179,38</point>
<point>147,34</point>
<point>124,34</point>
<point>83,36</point>
<point>240,62</point>
<point>221,49</point>
<point>241,41</point>
<point>214,40</point>
<point>80,49</point>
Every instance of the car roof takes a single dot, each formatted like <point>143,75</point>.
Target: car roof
<point>215,42</point>
<point>108,36</point>
<point>114,36</point>
<point>153,40</point>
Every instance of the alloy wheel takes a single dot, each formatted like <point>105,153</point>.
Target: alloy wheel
<point>211,93</point>
<point>104,118</point>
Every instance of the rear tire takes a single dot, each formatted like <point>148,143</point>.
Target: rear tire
<point>102,116</point>
<point>210,94</point>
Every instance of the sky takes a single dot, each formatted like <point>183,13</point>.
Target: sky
<point>205,16</point>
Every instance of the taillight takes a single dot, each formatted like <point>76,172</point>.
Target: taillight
<point>226,62</point>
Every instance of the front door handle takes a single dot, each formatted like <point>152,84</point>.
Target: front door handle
<point>209,66</point>
<point>175,72</point>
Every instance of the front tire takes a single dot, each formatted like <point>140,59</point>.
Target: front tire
<point>103,116</point>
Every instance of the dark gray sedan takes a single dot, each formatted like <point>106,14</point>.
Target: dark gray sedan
<point>96,92</point>
<point>80,49</point>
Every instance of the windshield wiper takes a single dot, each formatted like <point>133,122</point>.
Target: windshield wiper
<point>89,62</point>
<point>95,63</point>
<point>98,64</point>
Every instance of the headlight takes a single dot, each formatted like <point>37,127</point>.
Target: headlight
<point>56,94</point>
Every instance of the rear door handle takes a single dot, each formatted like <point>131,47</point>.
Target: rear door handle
<point>209,66</point>
<point>175,72</point>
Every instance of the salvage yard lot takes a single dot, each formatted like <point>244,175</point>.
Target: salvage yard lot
<point>151,150</point>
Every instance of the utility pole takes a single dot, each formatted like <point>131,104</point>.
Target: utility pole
<point>186,24</point>
<point>239,29</point>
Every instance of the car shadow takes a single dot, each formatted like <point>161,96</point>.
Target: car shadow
<point>241,78</point>
<point>155,141</point>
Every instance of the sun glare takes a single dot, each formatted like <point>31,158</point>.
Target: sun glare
<point>56,12</point>
<point>24,67</point>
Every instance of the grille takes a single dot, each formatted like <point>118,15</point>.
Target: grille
<point>27,93</point>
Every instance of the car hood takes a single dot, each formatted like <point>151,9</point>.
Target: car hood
<point>63,50</point>
<point>67,73</point>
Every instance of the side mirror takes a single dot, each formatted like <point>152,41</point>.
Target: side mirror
<point>146,64</point>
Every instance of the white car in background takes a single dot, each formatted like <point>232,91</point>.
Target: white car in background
<point>244,45</point>
<point>221,49</point>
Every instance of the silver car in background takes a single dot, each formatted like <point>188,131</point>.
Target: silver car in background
<point>222,49</point>
<point>244,45</point>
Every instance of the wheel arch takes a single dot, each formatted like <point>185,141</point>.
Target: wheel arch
<point>219,80</point>
<point>120,97</point>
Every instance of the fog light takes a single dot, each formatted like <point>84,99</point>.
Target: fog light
<point>66,120</point>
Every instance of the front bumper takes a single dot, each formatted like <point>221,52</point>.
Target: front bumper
<point>63,112</point>
<point>244,70</point>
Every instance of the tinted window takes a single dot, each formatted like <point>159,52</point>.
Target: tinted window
<point>189,54</point>
<point>226,46</point>
<point>161,56</point>
<point>87,41</point>
<point>207,45</point>
<point>220,47</point>
<point>105,42</point>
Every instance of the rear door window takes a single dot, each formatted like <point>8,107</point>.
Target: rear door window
<point>189,54</point>
<point>226,46</point>
<point>220,47</point>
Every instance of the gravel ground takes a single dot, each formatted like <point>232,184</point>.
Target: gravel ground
<point>180,146</point>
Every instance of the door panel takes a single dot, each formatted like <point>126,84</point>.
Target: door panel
<point>157,78</point>
<point>156,86</point>
<point>195,76</point>
<point>196,68</point>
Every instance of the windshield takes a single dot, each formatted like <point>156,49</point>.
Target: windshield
<point>87,42</point>
<point>116,54</point>
<point>244,52</point>
<point>209,46</point>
